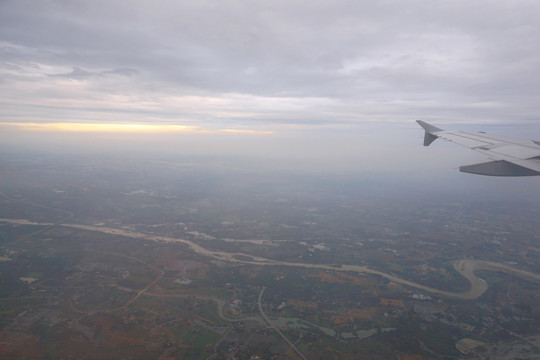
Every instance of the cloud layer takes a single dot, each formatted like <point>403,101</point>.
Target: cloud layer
<point>269,65</point>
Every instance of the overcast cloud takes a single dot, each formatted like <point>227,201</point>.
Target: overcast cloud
<point>269,65</point>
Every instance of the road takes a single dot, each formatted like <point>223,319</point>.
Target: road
<point>267,321</point>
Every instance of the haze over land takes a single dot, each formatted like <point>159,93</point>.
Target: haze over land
<point>179,179</point>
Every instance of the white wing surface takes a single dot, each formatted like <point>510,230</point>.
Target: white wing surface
<point>507,156</point>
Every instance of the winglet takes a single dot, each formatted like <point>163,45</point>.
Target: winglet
<point>429,137</point>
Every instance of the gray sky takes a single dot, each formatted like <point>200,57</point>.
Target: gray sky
<point>325,82</point>
<point>269,65</point>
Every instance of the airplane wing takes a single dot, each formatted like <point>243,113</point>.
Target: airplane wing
<point>507,156</point>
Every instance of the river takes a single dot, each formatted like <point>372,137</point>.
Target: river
<point>465,267</point>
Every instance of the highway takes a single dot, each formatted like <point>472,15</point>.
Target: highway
<point>267,321</point>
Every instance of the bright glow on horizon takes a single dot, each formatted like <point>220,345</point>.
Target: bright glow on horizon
<point>128,128</point>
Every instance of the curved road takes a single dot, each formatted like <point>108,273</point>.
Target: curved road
<point>267,321</point>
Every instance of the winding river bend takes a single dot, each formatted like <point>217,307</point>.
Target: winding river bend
<point>465,267</point>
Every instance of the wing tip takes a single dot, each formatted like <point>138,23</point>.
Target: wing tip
<point>429,137</point>
<point>428,127</point>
